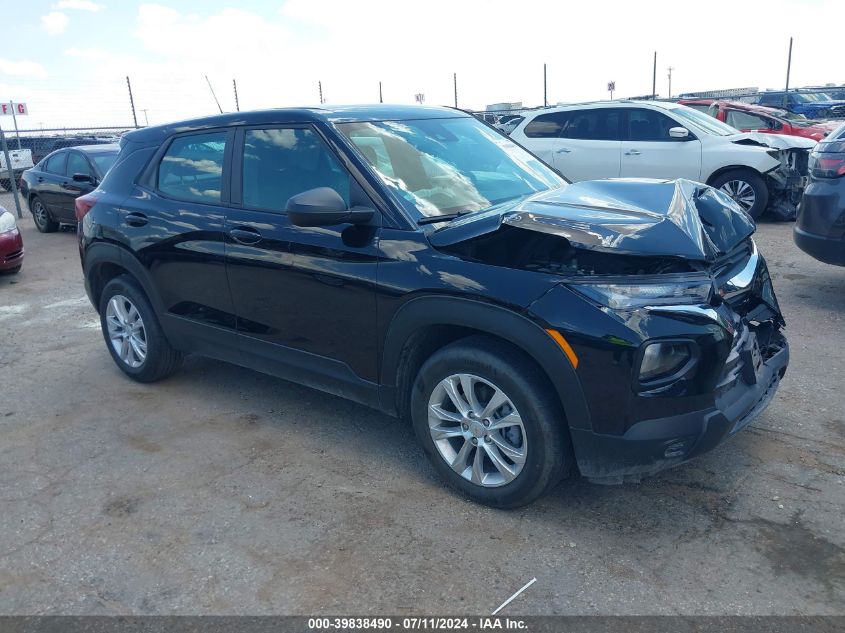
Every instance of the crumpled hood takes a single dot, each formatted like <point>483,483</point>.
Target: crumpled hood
<point>775,141</point>
<point>677,218</point>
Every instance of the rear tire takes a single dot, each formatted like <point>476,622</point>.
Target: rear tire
<point>469,450</point>
<point>132,332</point>
<point>43,220</point>
<point>747,188</point>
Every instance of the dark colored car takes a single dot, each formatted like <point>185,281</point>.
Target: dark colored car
<point>51,187</point>
<point>11,243</point>
<point>813,104</point>
<point>41,146</point>
<point>416,261</point>
<point>820,227</point>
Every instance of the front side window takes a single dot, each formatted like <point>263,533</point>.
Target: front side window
<point>648,125</point>
<point>76,164</point>
<point>56,164</point>
<point>442,166</point>
<point>747,121</point>
<point>698,121</point>
<point>192,168</point>
<point>279,163</point>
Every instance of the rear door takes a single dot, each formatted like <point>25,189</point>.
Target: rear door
<point>173,224</point>
<point>649,152</point>
<point>48,183</point>
<point>589,145</point>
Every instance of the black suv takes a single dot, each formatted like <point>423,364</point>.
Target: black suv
<point>415,260</point>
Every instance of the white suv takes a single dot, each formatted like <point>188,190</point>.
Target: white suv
<point>649,139</point>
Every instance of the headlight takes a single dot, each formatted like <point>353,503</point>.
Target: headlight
<point>627,296</point>
<point>7,221</point>
<point>663,360</point>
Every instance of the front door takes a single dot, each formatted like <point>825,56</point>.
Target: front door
<point>304,296</point>
<point>649,152</point>
<point>71,189</point>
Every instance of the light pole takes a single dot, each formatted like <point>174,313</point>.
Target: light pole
<point>671,68</point>
<point>146,120</point>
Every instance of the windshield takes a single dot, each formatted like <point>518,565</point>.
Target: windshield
<point>443,166</point>
<point>804,97</point>
<point>704,122</point>
<point>103,161</point>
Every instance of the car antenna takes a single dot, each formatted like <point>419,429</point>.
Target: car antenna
<point>213,95</point>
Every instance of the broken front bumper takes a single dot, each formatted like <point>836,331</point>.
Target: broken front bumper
<point>786,183</point>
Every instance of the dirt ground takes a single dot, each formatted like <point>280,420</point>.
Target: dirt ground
<point>225,491</point>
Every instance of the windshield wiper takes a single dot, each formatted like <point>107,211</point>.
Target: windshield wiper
<point>448,217</point>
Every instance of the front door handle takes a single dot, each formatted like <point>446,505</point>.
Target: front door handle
<point>563,150</point>
<point>633,152</point>
<point>245,236</point>
<point>136,219</point>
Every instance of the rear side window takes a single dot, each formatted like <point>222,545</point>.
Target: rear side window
<point>600,124</point>
<point>648,125</point>
<point>279,163</point>
<point>76,164</point>
<point>56,164</point>
<point>192,168</point>
<point>547,125</point>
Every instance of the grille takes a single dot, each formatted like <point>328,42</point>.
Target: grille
<point>14,255</point>
<point>734,362</point>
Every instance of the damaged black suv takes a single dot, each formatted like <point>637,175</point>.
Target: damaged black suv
<point>415,260</point>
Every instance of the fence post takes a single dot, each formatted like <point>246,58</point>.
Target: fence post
<point>11,172</point>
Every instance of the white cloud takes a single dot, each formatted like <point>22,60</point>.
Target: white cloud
<point>54,22</point>
<point>22,68</point>
<point>79,5</point>
<point>87,53</point>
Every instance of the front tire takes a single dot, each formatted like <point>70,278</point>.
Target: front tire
<point>132,332</point>
<point>43,221</point>
<point>490,422</point>
<point>747,188</point>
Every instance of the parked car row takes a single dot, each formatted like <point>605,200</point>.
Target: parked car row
<point>653,139</point>
<point>814,104</point>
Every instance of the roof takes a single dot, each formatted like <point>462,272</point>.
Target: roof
<point>323,113</point>
<point>99,148</point>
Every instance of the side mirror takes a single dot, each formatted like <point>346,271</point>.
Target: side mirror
<point>83,178</point>
<point>680,133</point>
<point>323,206</point>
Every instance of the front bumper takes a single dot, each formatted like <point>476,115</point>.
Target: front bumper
<point>654,445</point>
<point>11,249</point>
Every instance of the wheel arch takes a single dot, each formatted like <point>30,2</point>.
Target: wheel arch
<point>102,262</point>
<point>723,170</point>
<point>425,324</point>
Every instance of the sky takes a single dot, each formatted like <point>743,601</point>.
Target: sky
<point>69,59</point>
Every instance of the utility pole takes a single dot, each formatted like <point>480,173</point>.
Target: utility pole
<point>455,81</point>
<point>213,95</point>
<point>654,78</point>
<point>788,68</point>
<point>235,86</point>
<point>380,99</point>
<point>670,81</point>
<point>131,101</point>
<point>545,91</point>
<point>320,88</point>
<point>146,120</point>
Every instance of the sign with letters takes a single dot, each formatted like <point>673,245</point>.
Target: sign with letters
<point>9,108</point>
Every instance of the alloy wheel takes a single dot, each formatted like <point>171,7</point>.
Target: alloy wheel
<point>477,430</point>
<point>40,214</point>
<point>126,331</point>
<point>741,192</point>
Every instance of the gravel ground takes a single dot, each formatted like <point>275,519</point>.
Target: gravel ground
<point>224,491</point>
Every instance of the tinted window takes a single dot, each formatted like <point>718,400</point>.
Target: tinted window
<point>648,125</point>
<point>56,164</point>
<point>76,164</point>
<point>601,124</point>
<point>104,161</point>
<point>192,167</point>
<point>547,125</point>
<point>746,121</point>
<point>280,163</point>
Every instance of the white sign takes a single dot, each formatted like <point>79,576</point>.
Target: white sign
<point>611,85</point>
<point>419,97</point>
<point>9,108</point>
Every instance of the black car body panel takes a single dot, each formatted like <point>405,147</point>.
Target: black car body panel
<point>353,309</point>
<point>820,226</point>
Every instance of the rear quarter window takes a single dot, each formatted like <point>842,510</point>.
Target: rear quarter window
<point>192,168</point>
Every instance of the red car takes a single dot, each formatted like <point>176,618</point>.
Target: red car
<point>11,243</point>
<point>748,117</point>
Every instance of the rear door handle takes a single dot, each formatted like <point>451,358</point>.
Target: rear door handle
<point>136,219</point>
<point>245,236</point>
<point>633,152</point>
<point>563,150</point>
